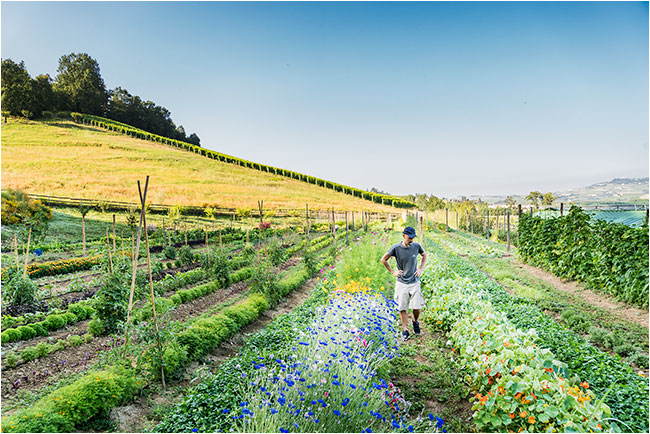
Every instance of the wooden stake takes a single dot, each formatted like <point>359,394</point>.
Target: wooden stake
<point>164,234</point>
<point>114,248</point>
<point>16,251</point>
<point>508,231</point>
<point>220,244</point>
<point>29,238</point>
<point>108,249</point>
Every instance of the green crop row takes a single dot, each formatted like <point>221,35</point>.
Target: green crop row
<point>76,312</point>
<point>610,257</point>
<point>70,407</point>
<point>44,349</point>
<point>519,386</point>
<point>628,396</point>
<point>144,135</point>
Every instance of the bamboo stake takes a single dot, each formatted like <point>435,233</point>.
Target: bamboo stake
<point>108,249</point>
<point>153,301</point>
<point>16,251</point>
<point>113,234</point>
<point>29,238</point>
<point>122,238</point>
<point>220,244</point>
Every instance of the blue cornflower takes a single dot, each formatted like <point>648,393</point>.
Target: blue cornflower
<point>395,424</point>
<point>243,404</point>
<point>353,386</point>
<point>336,412</point>
<point>195,430</point>
<point>345,402</point>
<point>336,382</point>
<point>410,428</point>
<point>439,422</point>
<point>284,430</point>
<point>313,401</point>
<point>226,410</point>
<point>273,410</point>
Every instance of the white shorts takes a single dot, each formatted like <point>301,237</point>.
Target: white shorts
<point>406,291</point>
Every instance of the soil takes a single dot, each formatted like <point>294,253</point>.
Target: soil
<point>611,305</point>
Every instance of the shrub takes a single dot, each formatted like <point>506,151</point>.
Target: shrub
<point>26,332</point>
<point>625,349</point>
<point>70,318</point>
<point>78,310</point>
<point>87,337</point>
<point>11,335</point>
<point>39,328</point>
<point>20,290</point>
<point>220,268</point>
<point>95,327</point>
<point>177,263</point>
<point>169,252</point>
<point>74,340</point>
<point>170,265</point>
<point>54,322</point>
<point>70,407</point>
<point>265,281</point>
<point>599,336</point>
<point>640,360</point>
<point>28,354</point>
<point>275,253</point>
<point>43,349</point>
<point>11,359</point>
<point>112,303</point>
<point>185,255</point>
<point>174,360</point>
<point>18,207</point>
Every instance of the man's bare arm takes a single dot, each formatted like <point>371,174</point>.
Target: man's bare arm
<point>420,270</point>
<point>384,260</point>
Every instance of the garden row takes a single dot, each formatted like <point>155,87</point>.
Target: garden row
<point>95,393</point>
<point>471,294</point>
<point>144,135</point>
<point>610,257</point>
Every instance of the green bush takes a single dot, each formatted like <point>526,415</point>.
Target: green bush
<point>174,360</point>
<point>169,252</point>
<point>54,322</point>
<point>96,327</point>
<point>640,360</point>
<point>600,336</point>
<point>264,281</point>
<point>625,350</point>
<point>78,310</point>
<point>177,299</point>
<point>43,349</point>
<point>70,318</point>
<point>186,255</point>
<point>177,263</point>
<point>220,268</point>
<point>74,340</point>
<point>112,302</point>
<point>39,328</point>
<point>87,337</point>
<point>11,359</point>
<point>28,354</point>
<point>206,334</point>
<point>19,290</point>
<point>11,335</point>
<point>26,332</point>
<point>170,265</point>
<point>70,407</point>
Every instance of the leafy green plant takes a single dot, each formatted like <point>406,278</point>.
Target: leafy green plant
<point>185,255</point>
<point>111,305</point>
<point>11,359</point>
<point>640,360</point>
<point>169,252</point>
<point>264,281</point>
<point>28,354</point>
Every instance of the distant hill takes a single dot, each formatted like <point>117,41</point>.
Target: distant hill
<point>63,158</point>
<point>618,190</point>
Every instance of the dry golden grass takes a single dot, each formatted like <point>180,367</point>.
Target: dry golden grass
<point>61,158</point>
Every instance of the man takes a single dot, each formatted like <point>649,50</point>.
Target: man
<point>407,285</point>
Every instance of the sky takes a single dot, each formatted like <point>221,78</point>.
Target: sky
<point>443,98</point>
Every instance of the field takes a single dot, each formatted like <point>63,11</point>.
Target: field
<point>61,158</point>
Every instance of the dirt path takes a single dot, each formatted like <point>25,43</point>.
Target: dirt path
<point>603,301</point>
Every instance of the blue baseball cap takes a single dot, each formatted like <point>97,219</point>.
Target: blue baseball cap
<point>409,232</point>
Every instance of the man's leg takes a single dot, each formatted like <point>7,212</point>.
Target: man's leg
<point>404,316</point>
<point>416,315</point>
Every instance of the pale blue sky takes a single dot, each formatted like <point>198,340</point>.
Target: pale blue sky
<point>440,98</point>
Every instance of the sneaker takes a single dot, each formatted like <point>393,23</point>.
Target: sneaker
<point>416,328</point>
<point>405,335</point>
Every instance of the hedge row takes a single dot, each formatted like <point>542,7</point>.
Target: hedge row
<point>140,134</point>
<point>71,407</point>
<point>610,257</point>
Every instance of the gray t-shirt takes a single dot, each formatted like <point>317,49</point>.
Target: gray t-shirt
<point>407,260</point>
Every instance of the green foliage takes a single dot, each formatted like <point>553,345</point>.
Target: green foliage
<point>19,208</point>
<point>309,258</point>
<point>28,354</point>
<point>220,267</point>
<point>169,252</point>
<point>607,256</point>
<point>95,327</point>
<point>112,302</point>
<point>185,255</point>
<point>362,264</point>
<point>640,360</point>
<point>19,290</point>
<point>173,361</point>
<point>74,341</point>
<point>69,408</point>
<point>26,332</point>
<point>80,81</point>
<point>248,251</point>
<point>55,321</point>
<point>275,253</point>
<point>11,335</point>
<point>264,281</point>
<point>11,359</point>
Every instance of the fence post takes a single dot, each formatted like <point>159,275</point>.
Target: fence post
<point>471,216</point>
<point>508,230</point>
<point>457,228</point>
<point>446,220</point>
<point>519,211</point>
<point>561,209</point>
<point>488,226</point>
<point>346,227</point>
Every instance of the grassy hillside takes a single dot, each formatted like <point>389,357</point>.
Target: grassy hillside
<point>61,158</point>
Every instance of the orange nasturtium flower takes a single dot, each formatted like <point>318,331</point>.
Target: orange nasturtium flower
<point>523,414</point>
<point>531,419</point>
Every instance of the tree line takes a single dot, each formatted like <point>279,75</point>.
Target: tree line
<point>79,87</point>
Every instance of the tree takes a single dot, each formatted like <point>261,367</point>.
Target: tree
<point>510,201</point>
<point>79,78</point>
<point>548,199</point>
<point>16,87</point>
<point>534,197</point>
<point>42,97</point>
<point>194,139</point>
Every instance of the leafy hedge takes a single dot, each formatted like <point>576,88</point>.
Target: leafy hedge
<point>628,397</point>
<point>144,135</point>
<point>611,257</point>
<point>71,407</point>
